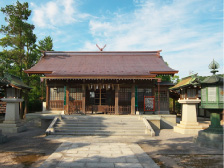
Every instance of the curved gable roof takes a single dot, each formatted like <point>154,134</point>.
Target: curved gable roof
<point>99,64</point>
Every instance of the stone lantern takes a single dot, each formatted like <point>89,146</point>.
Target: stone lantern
<point>12,86</point>
<point>188,88</point>
<point>212,99</point>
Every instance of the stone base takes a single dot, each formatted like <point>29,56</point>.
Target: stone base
<point>208,139</point>
<point>12,128</point>
<point>2,138</point>
<point>188,128</point>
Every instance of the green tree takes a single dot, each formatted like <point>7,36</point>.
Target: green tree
<point>20,50</point>
<point>18,43</point>
<point>46,44</point>
<point>38,93</point>
<point>19,35</point>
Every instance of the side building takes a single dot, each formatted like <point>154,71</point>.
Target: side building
<point>120,82</point>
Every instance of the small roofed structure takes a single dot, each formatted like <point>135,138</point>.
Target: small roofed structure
<point>188,88</point>
<point>12,86</point>
<point>212,99</point>
<point>12,81</point>
<point>106,81</point>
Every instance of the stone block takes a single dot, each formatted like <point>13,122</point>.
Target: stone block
<point>12,128</point>
<point>2,137</point>
<point>208,139</point>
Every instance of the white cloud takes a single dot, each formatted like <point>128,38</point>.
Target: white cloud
<point>179,28</point>
<point>56,13</point>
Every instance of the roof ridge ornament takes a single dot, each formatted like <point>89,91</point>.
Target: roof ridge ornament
<point>101,49</point>
<point>214,66</point>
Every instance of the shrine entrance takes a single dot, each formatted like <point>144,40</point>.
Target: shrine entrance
<point>75,100</point>
<point>100,99</point>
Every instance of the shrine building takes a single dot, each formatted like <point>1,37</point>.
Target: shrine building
<point>113,82</point>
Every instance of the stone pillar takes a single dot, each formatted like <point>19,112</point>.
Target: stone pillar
<point>116,108</point>
<point>189,124</point>
<point>133,99</point>
<point>43,106</point>
<point>84,99</point>
<point>12,123</point>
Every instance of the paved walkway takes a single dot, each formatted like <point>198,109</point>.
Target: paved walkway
<point>86,154</point>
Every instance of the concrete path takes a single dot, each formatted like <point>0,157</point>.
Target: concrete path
<point>95,152</point>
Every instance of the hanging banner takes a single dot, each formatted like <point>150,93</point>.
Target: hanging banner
<point>149,103</point>
<point>64,95</point>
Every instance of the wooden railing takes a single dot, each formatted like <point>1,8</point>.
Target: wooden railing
<point>56,104</point>
<point>2,107</point>
<point>124,109</point>
<point>75,107</point>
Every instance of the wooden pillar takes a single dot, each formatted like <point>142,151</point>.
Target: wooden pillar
<point>116,108</point>
<point>158,81</point>
<point>84,99</point>
<point>67,99</point>
<point>133,99</point>
<point>47,97</point>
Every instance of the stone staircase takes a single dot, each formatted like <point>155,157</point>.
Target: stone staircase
<point>100,126</point>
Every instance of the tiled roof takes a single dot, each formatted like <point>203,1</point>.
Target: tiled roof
<point>99,64</point>
<point>186,82</point>
<point>13,81</point>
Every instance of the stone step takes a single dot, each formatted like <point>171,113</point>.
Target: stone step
<point>114,131</point>
<point>101,133</point>
<point>112,121</point>
<point>98,129</point>
<point>100,124</point>
<point>98,134</point>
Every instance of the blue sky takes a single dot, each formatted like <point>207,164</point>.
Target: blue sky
<point>189,33</point>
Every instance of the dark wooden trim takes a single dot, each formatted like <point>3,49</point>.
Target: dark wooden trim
<point>163,72</point>
<point>133,99</point>
<point>84,99</point>
<point>67,99</point>
<point>148,77</point>
<point>47,96</point>
<point>38,72</point>
<point>116,99</point>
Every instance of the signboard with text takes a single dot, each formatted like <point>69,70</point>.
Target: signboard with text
<point>149,103</point>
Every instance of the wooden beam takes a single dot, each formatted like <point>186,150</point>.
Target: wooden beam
<point>84,99</point>
<point>133,99</point>
<point>67,99</point>
<point>116,100</point>
<point>47,97</point>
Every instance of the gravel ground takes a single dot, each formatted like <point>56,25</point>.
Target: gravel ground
<point>168,149</point>
<point>171,149</point>
<point>26,149</point>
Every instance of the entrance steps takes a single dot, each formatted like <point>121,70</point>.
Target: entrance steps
<point>99,126</point>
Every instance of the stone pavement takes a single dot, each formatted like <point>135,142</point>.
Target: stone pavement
<point>98,154</point>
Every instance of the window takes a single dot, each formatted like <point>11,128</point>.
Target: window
<point>182,94</point>
<point>203,94</point>
<point>125,94</point>
<point>191,93</point>
<point>221,94</point>
<point>56,93</point>
<point>100,97</point>
<point>75,93</point>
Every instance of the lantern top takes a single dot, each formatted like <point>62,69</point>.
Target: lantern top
<point>214,79</point>
<point>214,66</point>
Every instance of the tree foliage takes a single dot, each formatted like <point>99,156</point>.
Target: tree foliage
<point>20,50</point>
